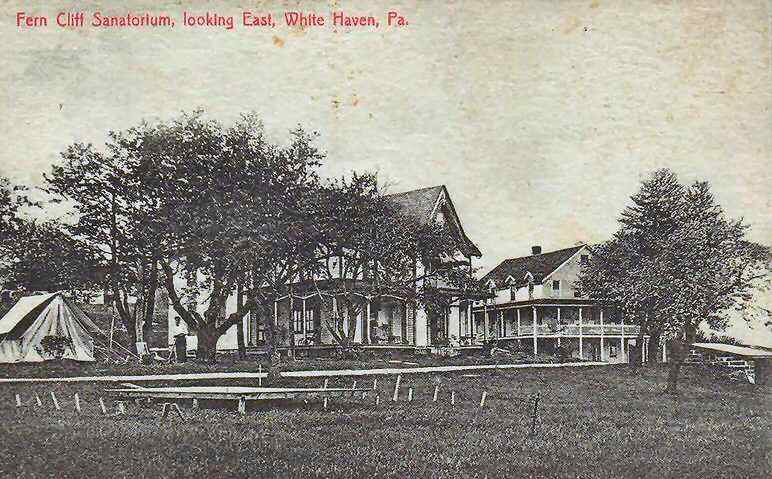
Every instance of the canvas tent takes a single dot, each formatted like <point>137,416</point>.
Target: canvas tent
<point>34,317</point>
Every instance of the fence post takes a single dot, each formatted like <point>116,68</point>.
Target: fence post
<point>482,399</point>
<point>77,402</point>
<point>37,400</point>
<point>452,398</point>
<point>102,406</point>
<point>410,395</point>
<point>535,412</point>
<point>18,401</point>
<point>436,392</point>
<point>396,388</point>
<point>56,403</point>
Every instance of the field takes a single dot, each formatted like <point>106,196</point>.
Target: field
<point>592,422</point>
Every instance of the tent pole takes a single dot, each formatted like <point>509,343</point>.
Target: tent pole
<point>112,326</point>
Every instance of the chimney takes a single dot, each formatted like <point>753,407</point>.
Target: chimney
<point>536,249</point>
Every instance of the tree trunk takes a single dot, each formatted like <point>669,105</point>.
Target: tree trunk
<point>291,328</point>
<point>676,360</point>
<point>651,354</point>
<point>634,358</point>
<point>207,337</point>
<point>131,334</point>
<point>240,325</point>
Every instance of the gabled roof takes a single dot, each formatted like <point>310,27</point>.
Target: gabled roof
<point>539,265</point>
<point>422,204</point>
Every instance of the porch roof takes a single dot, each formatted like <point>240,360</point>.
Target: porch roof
<point>579,302</point>
<point>735,350</point>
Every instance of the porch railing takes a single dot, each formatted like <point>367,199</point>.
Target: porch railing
<point>586,330</point>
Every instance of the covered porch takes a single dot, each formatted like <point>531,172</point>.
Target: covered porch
<point>587,330</point>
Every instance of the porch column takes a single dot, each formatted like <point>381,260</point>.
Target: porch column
<point>366,324</point>
<point>664,351</point>
<point>485,320</point>
<point>275,312</point>
<point>535,341</point>
<point>304,318</point>
<point>421,324</point>
<point>518,322</point>
<point>581,341</point>
<point>291,325</point>
<point>622,348</point>
<point>470,322</point>
<point>558,325</point>
<point>403,322</point>
<point>602,333</point>
<point>336,314</point>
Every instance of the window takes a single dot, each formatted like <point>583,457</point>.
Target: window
<point>556,285</point>
<point>512,293</point>
<point>309,320</point>
<point>584,259</point>
<point>297,317</point>
<point>261,332</point>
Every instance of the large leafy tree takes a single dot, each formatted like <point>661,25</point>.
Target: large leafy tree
<point>115,215</point>
<point>675,263</point>
<point>368,248</point>
<point>231,212</point>
<point>44,257</point>
<point>12,200</point>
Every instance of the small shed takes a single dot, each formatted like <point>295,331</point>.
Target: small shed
<point>730,353</point>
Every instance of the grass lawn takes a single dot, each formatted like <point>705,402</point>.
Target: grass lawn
<point>593,422</point>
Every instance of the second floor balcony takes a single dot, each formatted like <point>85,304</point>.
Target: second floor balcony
<point>579,330</point>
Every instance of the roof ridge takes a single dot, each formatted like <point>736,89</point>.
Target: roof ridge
<point>415,190</point>
<point>545,253</point>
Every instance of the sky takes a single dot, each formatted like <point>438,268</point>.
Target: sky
<point>541,117</point>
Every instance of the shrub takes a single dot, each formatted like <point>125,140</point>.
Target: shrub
<point>54,346</point>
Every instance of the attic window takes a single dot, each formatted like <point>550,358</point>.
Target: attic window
<point>556,285</point>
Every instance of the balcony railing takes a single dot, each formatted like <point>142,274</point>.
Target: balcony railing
<point>586,330</point>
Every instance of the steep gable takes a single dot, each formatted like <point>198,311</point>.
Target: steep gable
<point>425,204</point>
<point>418,203</point>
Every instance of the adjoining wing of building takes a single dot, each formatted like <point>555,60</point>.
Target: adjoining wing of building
<point>536,305</point>
<point>385,322</point>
